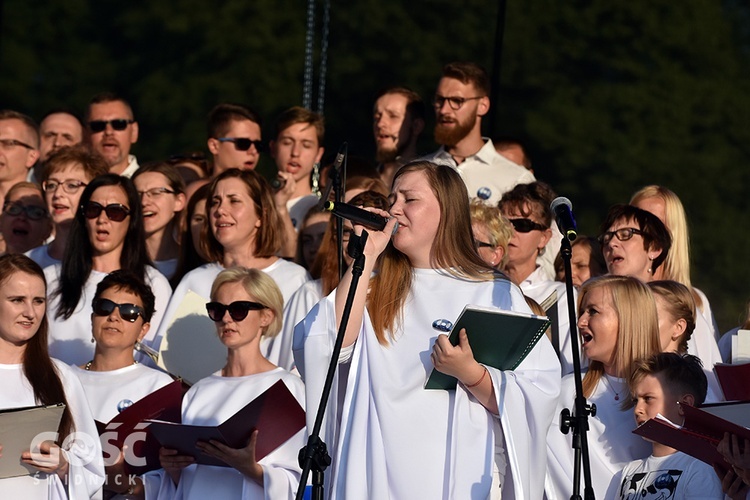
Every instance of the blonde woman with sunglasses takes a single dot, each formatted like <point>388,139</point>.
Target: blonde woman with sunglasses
<point>246,306</point>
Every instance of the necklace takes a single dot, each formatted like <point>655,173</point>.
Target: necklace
<point>617,393</point>
<point>88,365</point>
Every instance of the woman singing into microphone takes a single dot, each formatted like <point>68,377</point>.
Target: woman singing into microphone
<point>395,439</point>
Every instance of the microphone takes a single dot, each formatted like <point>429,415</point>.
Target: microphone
<point>563,210</point>
<point>343,151</point>
<point>278,184</point>
<point>356,215</point>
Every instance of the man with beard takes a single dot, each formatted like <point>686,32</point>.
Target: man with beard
<point>111,131</point>
<point>461,100</point>
<point>398,119</point>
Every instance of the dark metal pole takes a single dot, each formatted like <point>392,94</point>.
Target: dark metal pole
<point>497,57</point>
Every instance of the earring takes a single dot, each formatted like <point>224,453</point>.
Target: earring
<point>316,179</point>
<point>650,269</point>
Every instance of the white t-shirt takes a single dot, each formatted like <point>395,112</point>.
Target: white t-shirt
<point>108,391</point>
<point>41,256</point>
<point>612,443</point>
<point>675,476</point>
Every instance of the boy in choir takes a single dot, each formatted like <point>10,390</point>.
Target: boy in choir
<point>660,385</point>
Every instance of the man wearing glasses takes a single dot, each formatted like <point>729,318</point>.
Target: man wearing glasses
<point>19,148</point>
<point>234,137</point>
<point>460,102</point>
<point>111,132</point>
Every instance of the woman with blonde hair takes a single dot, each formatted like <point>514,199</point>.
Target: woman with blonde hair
<point>395,438</point>
<point>676,309</point>
<point>617,322</point>
<point>246,306</point>
<point>492,232</point>
<point>666,205</point>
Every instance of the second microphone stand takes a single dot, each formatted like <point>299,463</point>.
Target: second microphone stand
<point>578,421</point>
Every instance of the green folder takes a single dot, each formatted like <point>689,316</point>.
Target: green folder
<point>498,338</point>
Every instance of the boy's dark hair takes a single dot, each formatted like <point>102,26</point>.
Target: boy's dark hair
<point>130,282</point>
<point>681,374</point>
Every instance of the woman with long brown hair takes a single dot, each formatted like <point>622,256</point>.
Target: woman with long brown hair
<point>71,466</point>
<point>395,438</point>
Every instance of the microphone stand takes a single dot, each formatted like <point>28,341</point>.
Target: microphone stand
<point>314,455</point>
<point>579,420</point>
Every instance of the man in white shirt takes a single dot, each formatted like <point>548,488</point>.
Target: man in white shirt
<point>111,130</point>
<point>19,148</point>
<point>461,100</point>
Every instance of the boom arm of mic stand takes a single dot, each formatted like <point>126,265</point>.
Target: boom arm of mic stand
<point>579,422</point>
<point>315,456</point>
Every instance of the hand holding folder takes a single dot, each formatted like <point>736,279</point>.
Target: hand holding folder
<point>276,415</point>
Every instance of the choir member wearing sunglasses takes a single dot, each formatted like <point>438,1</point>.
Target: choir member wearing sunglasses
<point>122,308</point>
<point>106,235</point>
<point>29,377</point>
<point>527,208</point>
<point>396,439</point>
<point>245,305</point>
<point>66,173</point>
<point>25,222</point>
<point>243,229</point>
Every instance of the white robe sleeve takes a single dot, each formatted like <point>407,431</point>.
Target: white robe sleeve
<point>84,451</point>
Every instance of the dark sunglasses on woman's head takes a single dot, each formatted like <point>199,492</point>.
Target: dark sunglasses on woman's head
<point>115,211</point>
<point>526,225</point>
<point>623,234</point>
<point>238,310</point>
<point>120,124</point>
<point>33,212</point>
<point>244,143</point>
<point>128,312</point>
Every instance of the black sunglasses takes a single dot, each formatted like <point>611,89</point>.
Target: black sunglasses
<point>115,211</point>
<point>526,225</point>
<point>119,124</point>
<point>244,143</point>
<point>238,310</point>
<point>128,312</point>
<point>33,212</point>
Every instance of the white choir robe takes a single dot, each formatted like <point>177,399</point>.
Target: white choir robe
<point>84,453</point>
<point>211,401</point>
<point>295,310</point>
<point>398,440</point>
<point>612,444</point>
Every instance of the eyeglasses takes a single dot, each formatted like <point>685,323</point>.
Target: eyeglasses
<point>9,143</point>
<point>115,211</point>
<point>70,187</point>
<point>454,102</point>
<point>33,212</point>
<point>623,234</point>
<point>128,312</point>
<point>244,143</point>
<point>483,244</point>
<point>526,225</point>
<point>238,310</point>
<point>155,193</point>
<point>118,124</point>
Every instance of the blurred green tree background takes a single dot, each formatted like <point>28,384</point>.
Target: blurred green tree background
<point>610,95</point>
